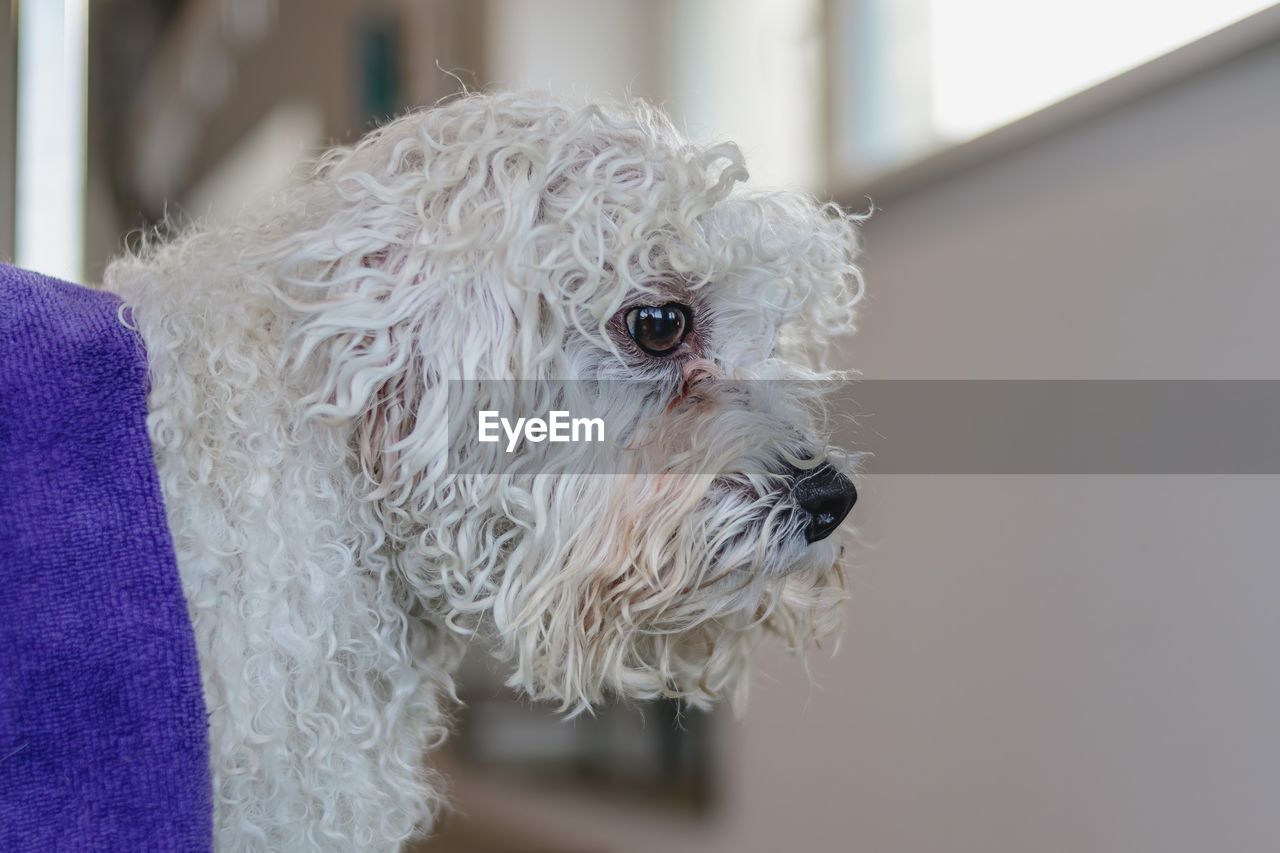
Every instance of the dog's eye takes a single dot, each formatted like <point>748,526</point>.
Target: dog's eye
<point>659,329</point>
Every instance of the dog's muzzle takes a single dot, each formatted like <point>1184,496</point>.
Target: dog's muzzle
<point>826,495</point>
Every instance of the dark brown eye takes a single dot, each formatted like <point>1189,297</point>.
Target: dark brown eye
<point>659,329</point>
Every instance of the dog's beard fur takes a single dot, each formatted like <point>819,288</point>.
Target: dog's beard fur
<point>656,578</point>
<point>332,559</point>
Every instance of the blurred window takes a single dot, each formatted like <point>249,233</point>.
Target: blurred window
<point>914,76</point>
<point>52,38</point>
<point>750,71</point>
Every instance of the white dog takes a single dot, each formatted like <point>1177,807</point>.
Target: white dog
<point>335,564</point>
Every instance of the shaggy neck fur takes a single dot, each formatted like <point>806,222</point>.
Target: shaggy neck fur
<point>324,683</point>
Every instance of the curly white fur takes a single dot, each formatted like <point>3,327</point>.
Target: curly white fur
<point>335,565</point>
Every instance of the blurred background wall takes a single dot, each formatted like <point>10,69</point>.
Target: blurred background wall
<point>1080,190</point>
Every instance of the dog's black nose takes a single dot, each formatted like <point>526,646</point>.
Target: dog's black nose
<point>827,496</point>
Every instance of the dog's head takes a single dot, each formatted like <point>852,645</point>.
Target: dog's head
<point>515,238</point>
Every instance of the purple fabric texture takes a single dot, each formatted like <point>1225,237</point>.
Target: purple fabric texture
<point>103,732</point>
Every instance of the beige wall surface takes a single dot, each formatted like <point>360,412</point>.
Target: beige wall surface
<point>1071,663</point>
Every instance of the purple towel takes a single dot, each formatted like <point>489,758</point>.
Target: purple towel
<point>103,733</point>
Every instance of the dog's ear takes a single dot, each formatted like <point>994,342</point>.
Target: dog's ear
<point>365,351</point>
<point>384,434</point>
<point>376,350</point>
<point>394,290</point>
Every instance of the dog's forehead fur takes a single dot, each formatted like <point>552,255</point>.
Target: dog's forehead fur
<point>333,562</point>
<point>526,205</point>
